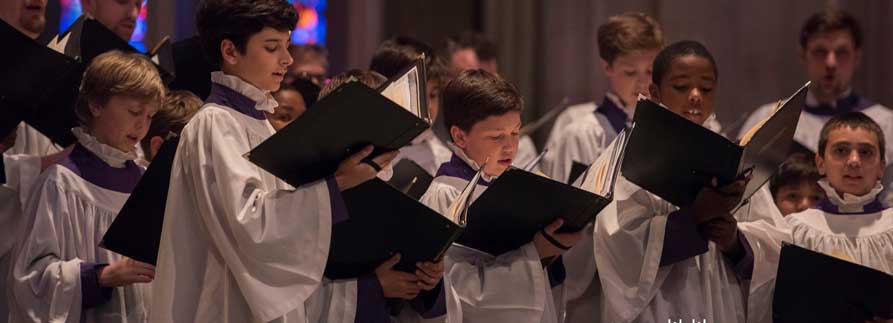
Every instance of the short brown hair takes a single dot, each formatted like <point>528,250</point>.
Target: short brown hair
<point>829,20</point>
<point>369,78</point>
<point>476,95</point>
<point>178,107</point>
<point>627,33</point>
<point>117,73</point>
<point>854,120</point>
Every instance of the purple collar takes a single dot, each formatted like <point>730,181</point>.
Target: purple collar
<point>457,167</point>
<point>616,116</point>
<point>849,103</point>
<point>91,168</point>
<point>826,206</point>
<point>222,95</point>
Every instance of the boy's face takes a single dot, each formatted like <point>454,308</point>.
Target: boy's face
<point>797,197</point>
<point>830,59</point>
<point>265,61</point>
<point>291,107</point>
<point>25,15</point>
<point>688,88</point>
<point>630,74</point>
<point>118,16</point>
<point>122,121</point>
<point>852,162</point>
<point>493,140</point>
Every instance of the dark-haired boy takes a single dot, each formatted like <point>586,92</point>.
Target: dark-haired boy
<point>483,114</point>
<point>238,244</point>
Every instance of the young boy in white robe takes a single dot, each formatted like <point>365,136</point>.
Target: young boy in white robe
<point>391,57</point>
<point>657,262</point>
<point>238,244</point>
<point>60,273</point>
<point>386,294</point>
<point>483,113</point>
<point>831,45</point>
<point>627,45</point>
<point>850,222</point>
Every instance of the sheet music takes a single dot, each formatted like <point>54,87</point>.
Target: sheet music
<point>459,212</point>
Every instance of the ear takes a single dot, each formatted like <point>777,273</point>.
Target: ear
<point>820,164</point>
<point>655,92</point>
<point>95,109</point>
<point>154,146</point>
<point>802,55</point>
<point>606,67</point>
<point>229,52</point>
<point>459,137</point>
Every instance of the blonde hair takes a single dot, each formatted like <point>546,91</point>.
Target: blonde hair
<point>117,73</point>
<point>627,33</point>
<point>177,109</point>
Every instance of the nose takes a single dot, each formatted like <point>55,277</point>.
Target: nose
<point>803,204</point>
<point>285,58</point>
<point>854,160</point>
<point>695,96</point>
<point>831,60</point>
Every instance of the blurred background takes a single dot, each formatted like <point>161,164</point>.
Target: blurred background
<point>548,48</point>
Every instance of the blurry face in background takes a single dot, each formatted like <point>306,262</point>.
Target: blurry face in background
<point>27,16</point>
<point>312,70</point>
<point>118,16</point>
<point>630,75</point>
<point>433,91</point>
<point>687,89</point>
<point>831,59</point>
<point>493,140</point>
<point>291,107</point>
<point>797,197</point>
<point>465,59</point>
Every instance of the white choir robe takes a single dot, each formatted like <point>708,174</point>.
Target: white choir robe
<point>629,243</point>
<point>70,207</point>
<point>338,301</point>
<point>29,141</point>
<point>512,287</point>
<point>809,130</point>
<point>427,151</point>
<point>857,229</point>
<point>238,244</point>
<point>21,172</point>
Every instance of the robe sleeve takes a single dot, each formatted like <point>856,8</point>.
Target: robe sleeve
<point>44,286</point>
<point>628,241</point>
<point>765,241</point>
<point>681,238</point>
<point>21,171</point>
<point>274,242</point>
